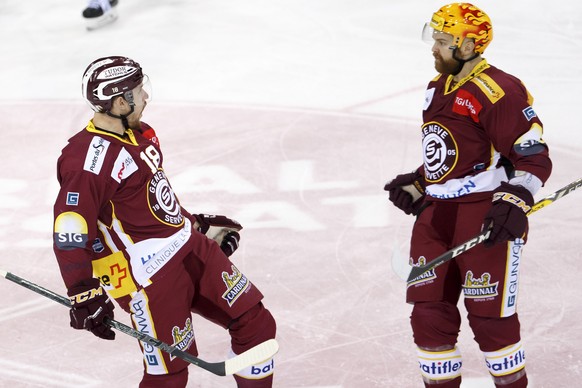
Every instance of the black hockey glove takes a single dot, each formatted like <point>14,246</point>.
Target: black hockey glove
<point>406,191</point>
<point>221,229</point>
<point>89,307</point>
<point>507,217</point>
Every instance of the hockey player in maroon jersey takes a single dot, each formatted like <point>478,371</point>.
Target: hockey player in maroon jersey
<point>484,159</point>
<point>120,232</point>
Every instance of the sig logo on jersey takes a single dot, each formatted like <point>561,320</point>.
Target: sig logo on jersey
<point>440,151</point>
<point>236,284</point>
<point>70,231</point>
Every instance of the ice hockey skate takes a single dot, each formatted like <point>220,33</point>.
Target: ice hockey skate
<point>100,13</point>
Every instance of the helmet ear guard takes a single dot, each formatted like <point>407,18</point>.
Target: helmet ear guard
<point>128,94</point>
<point>123,117</point>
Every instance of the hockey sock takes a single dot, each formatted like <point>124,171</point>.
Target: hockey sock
<point>520,383</point>
<point>439,365</point>
<point>506,361</point>
<point>455,383</point>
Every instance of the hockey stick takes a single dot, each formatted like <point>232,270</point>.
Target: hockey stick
<point>417,271</point>
<point>255,355</point>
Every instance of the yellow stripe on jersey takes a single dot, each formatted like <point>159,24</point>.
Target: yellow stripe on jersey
<point>490,88</point>
<point>530,99</point>
<point>477,70</point>
<point>142,318</point>
<point>130,136</point>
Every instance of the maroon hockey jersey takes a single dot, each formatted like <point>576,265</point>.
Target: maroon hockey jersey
<point>473,129</point>
<point>116,215</point>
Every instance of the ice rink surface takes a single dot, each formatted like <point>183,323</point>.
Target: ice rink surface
<point>288,116</point>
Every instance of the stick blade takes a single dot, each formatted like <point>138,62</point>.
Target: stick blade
<point>400,264</point>
<point>415,272</point>
<point>256,355</point>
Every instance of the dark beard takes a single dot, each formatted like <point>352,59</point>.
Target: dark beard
<point>450,66</point>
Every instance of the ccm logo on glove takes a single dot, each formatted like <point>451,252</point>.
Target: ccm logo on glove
<point>507,217</point>
<point>90,306</point>
<point>513,199</point>
<point>85,296</point>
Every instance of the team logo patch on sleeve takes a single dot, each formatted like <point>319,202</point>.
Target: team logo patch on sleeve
<point>72,199</point>
<point>236,284</point>
<point>70,231</point>
<point>96,155</point>
<point>529,113</point>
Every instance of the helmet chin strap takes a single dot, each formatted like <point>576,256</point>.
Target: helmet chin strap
<point>461,61</point>
<point>123,118</point>
<point>128,97</point>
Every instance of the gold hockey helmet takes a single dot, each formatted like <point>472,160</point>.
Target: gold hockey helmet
<point>462,20</point>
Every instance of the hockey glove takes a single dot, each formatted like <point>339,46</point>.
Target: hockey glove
<point>221,229</point>
<point>406,191</point>
<point>507,217</point>
<point>89,307</point>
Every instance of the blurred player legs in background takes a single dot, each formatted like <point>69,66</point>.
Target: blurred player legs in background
<point>100,13</point>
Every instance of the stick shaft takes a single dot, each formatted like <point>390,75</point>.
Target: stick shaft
<point>417,271</point>
<point>216,368</point>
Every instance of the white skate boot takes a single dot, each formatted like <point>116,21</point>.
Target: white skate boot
<point>100,13</point>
